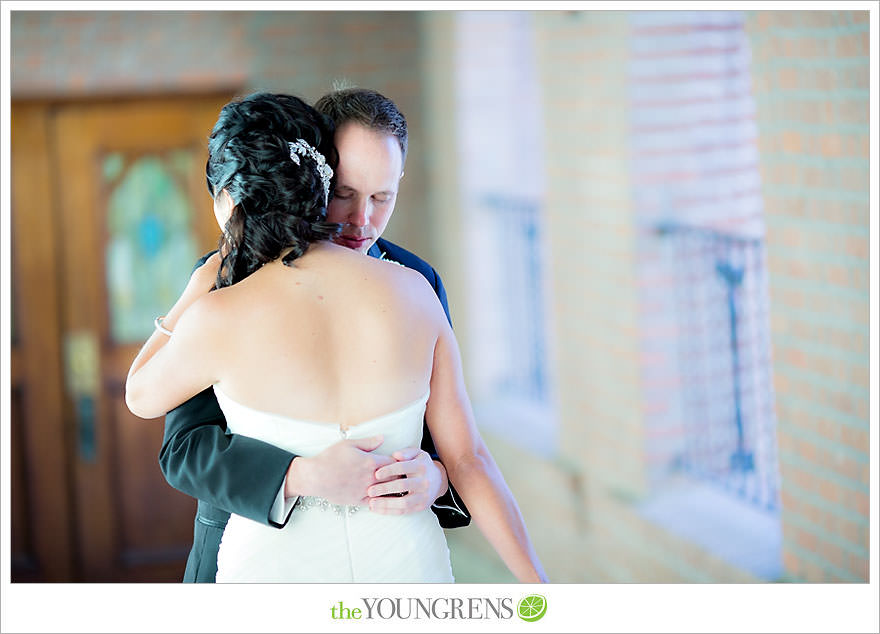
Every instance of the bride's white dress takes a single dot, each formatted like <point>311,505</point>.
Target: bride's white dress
<point>326,543</point>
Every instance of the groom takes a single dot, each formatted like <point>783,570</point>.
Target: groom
<point>237,474</point>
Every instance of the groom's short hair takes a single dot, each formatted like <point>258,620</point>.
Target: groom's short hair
<point>368,108</point>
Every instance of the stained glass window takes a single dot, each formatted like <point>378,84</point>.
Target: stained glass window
<point>150,246</point>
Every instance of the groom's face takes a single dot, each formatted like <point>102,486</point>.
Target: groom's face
<point>367,178</point>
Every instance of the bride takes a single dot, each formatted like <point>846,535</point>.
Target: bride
<point>306,342</point>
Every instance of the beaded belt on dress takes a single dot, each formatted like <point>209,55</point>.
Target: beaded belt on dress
<point>306,502</point>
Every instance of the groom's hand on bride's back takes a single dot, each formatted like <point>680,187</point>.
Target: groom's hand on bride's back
<point>411,483</point>
<point>342,473</point>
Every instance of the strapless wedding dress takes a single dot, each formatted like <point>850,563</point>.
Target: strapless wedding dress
<point>327,543</point>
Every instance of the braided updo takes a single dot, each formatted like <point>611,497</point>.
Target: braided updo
<point>278,204</point>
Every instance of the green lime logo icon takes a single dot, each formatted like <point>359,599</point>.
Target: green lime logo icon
<point>532,608</point>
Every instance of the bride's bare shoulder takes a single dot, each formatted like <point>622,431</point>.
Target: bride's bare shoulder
<point>411,288</point>
<point>379,270</point>
<point>205,318</point>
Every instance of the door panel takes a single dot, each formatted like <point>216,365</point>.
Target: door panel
<point>25,559</point>
<point>42,540</point>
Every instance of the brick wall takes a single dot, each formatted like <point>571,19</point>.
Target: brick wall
<point>93,53</point>
<point>810,73</point>
<point>110,53</point>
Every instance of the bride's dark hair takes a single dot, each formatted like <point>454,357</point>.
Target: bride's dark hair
<point>278,204</point>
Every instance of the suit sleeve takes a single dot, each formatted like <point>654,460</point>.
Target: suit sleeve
<point>236,473</point>
<point>449,508</point>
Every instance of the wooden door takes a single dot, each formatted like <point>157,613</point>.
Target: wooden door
<point>131,215</point>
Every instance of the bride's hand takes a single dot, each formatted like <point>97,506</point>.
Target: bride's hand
<point>204,278</point>
<point>201,281</point>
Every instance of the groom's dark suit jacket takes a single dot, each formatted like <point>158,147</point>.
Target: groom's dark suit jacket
<point>229,473</point>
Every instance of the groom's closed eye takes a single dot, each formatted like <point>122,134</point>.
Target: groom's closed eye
<point>383,197</point>
<point>343,193</point>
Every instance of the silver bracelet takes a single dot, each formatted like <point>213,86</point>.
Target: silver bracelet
<point>158,324</point>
